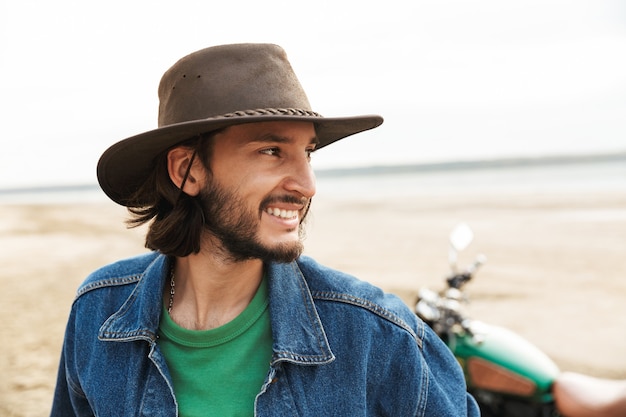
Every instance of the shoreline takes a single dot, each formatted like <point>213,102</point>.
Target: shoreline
<point>615,161</point>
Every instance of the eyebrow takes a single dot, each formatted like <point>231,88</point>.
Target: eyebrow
<point>271,138</point>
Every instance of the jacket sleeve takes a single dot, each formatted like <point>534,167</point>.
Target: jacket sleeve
<point>68,400</point>
<point>447,389</point>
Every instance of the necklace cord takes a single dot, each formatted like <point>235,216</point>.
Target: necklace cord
<point>172,292</point>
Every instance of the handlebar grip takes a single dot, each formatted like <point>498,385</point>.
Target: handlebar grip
<point>478,262</point>
<point>458,280</point>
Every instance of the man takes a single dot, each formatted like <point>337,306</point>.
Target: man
<point>224,317</point>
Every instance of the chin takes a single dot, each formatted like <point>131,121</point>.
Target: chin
<point>284,252</point>
<point>283,244</point>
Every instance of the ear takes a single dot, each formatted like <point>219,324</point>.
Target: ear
<point>178,160</point>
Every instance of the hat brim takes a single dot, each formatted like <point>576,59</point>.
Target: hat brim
<point>126,165</point>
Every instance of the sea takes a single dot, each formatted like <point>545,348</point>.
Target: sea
<point>592,173</point>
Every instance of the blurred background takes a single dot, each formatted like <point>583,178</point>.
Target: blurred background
<point>510,116</point>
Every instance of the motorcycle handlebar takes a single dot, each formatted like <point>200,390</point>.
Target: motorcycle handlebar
<point>458,280</point>
<point>478,262</point>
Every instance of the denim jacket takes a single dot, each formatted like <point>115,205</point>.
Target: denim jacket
<point>341,348</point>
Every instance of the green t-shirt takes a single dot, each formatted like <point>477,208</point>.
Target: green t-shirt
<point>219,372</point>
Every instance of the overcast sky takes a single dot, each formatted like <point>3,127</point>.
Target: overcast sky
<point>454,79</point>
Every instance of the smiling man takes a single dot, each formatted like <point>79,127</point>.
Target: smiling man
<point>224,317</point>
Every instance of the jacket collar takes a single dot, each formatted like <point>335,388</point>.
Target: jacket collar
<point>139,316</point>
<point>298,333</point>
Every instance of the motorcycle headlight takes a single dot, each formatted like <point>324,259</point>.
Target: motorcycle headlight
<point>427,295</point>
<point>427,312</point>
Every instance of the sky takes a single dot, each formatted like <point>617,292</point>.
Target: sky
<point>454,79</point>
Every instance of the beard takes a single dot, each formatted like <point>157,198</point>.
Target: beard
<point>236,227</point>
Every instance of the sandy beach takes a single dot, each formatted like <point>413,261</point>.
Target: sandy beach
<point>555,271</point>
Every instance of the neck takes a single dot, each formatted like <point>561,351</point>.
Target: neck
<point>211,292</point>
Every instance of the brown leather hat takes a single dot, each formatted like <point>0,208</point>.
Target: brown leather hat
<point>211,89</point>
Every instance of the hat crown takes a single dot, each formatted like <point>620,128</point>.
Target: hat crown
<point>225,79</point>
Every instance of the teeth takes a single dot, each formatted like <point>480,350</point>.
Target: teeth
<point>283,214</point>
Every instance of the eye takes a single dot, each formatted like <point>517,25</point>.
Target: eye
<point>309,152</point>
<point>271,151</point>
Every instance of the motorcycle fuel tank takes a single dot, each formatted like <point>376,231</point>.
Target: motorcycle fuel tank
<point>499,360</point>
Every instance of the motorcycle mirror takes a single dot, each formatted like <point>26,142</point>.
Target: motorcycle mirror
<point>461,237</point>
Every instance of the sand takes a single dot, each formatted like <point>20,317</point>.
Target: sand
<point>555,271</point>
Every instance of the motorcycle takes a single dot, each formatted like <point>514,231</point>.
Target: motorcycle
<point>506,374</point>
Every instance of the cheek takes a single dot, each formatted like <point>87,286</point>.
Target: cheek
<point>249,180</point>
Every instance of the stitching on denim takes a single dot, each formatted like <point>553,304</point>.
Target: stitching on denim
<point>158,364</point>
<point>424,384</point>
<point>75,387</point>
<point>300,359</point>
<point>127,336</point>
<point>368,305</point>
<point>108,282</point>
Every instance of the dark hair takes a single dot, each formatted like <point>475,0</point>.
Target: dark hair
<point>178,217</point>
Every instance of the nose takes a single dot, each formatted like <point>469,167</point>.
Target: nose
<point>301,178</point>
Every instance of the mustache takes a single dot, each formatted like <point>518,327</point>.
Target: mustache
<point>287,199</point>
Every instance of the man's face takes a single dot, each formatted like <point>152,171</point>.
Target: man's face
<point>259,189</point>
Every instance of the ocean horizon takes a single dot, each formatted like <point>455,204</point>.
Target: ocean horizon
<point>584,173</point>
